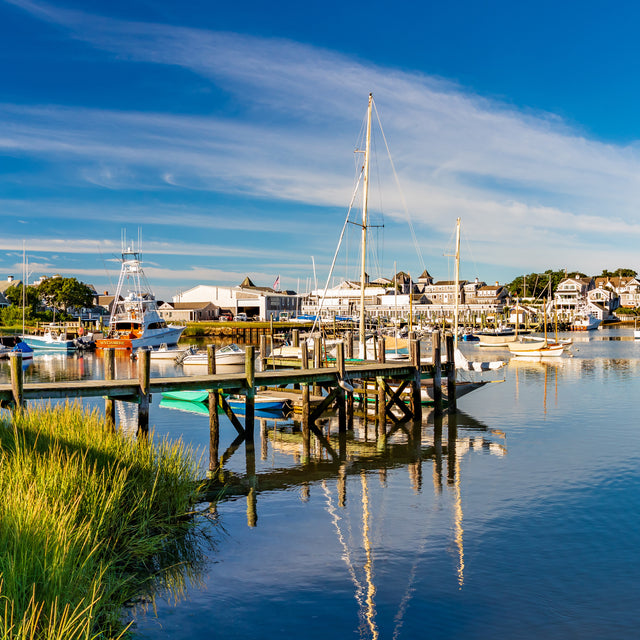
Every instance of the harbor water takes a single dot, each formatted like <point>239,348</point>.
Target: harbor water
<point>517,518</point>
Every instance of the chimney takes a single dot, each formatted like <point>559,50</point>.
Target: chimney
<point>9,278</point>
<point>106,293</point>
<point>497,285</point>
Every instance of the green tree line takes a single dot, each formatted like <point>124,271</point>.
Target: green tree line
<point>534,285</point>
<point>59,294</point>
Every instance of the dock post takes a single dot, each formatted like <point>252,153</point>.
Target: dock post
<point>381,405</point>
<point>349,394</point>
<point>436,351</point>
<point>342,416</point>
<point>249,414</point>
<point>451,376</point>
<point>306,409</point>
<point>295,337</point>
<point>263,352</point>
<point>110,374</point>
<point>144,377</point>
<point>317,361</point>
<point>416,400</point>
<point>349,345</point>
<point>214,419</point>
<point>17,379</point>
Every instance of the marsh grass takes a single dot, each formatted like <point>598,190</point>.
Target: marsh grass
<point>89,521</point>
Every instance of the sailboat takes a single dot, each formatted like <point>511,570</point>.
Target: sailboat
<point>539,348</point>
<point>460,359</point>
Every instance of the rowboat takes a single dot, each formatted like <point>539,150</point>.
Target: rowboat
<point>197,395</point>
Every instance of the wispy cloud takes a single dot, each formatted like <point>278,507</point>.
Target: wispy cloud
<point>532,191</point>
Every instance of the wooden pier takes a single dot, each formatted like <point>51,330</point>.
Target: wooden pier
<point>396,390</point>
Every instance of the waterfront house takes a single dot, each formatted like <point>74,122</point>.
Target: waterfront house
<point>256,302</point>
<point>188,311</point>
<point>444,292</point>
<point>571,293</point>
<point>4,302</point>
<point>9,282</point>
<point>604,298</point>
<point>629,292</point>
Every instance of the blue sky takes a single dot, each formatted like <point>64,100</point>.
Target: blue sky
<point>225,132</point>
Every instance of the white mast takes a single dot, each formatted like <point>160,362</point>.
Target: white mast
<point>365,198</point>
<point>455,315</point>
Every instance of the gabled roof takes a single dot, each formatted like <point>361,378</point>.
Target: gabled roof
<point>5,284</point>
<point>425,275</point>
<point>187,305</point>
<point>246,283</point>
<point>614,281</point>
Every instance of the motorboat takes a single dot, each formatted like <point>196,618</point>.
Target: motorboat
<point>135,321</point>
<point>51,341</point>
<point>165,352</point>
<point>585,321</point>
<point>229,354</point>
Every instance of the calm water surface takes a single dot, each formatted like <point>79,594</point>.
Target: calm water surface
<point>525,525</point>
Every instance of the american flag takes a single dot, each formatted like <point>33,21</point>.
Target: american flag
<point>276,284</point>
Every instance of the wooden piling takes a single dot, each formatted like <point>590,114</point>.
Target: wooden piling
<point>342,416</point>
<point>317,361</point>
<point>250,372</point>
<point>349,344</point>
<point>306,408</point>
<point>381,404</point>
<point>17,379</point>
<point>436,352</point>
<point>416,400</point>
<point>110,374</point>
<point>214,419</point>
<point>263,352</point>
<point>451,375</point>
<point>144,394</point>
<point>295,337</point>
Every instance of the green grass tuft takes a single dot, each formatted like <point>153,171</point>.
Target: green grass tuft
<point>88,520</point>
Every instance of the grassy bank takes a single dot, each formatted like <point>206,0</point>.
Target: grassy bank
<point>88,518</point>
<point>196,329</point>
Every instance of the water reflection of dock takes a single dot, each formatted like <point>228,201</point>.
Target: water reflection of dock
<point>438,439</point>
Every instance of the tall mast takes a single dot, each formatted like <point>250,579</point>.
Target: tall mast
<point>365,198</point>
<point>455,315</point>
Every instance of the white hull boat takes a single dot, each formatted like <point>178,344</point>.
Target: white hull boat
<point>50,342</point>
<point>537,348</point>
<point>135,321</point>
<point>231,354</point>
<point>585,322</point>
<point>496,339</point>
<point>170,353</point>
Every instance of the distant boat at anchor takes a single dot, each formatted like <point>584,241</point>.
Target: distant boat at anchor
<point>135,321</point>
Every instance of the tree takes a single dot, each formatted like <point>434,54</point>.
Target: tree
<point>64,293</point>
<point>534,285</point>
<point>618,273</point>
<point>14,295</point>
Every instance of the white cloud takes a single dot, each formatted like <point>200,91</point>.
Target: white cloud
<point>531,191</point>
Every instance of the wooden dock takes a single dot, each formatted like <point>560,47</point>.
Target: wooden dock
<point>334,386</point>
